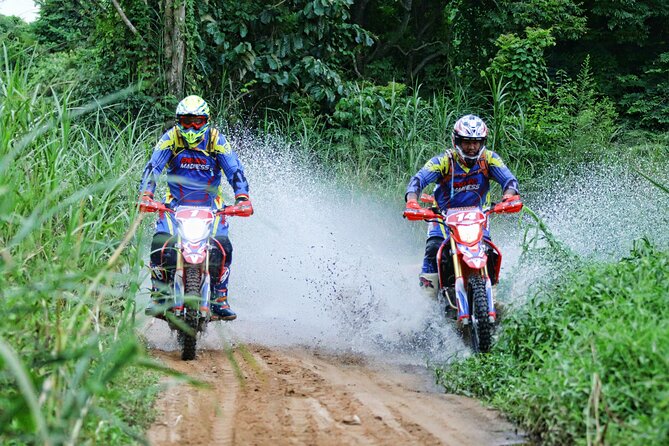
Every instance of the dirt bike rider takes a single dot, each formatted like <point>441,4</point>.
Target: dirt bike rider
<point>195,155</point>
<point>462,175</point>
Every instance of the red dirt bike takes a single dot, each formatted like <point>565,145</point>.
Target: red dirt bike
<point>465,284</point>
<point>189,311</point>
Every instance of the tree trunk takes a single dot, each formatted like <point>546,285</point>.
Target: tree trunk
<point>175,46</point>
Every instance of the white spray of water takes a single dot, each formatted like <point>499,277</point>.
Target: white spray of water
<point>321,266</point>
<point>599,209</point>
<point>327,267</point>
<point>596,211</point>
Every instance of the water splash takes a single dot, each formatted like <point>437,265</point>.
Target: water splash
<point>596,211</point>
<point>324,265</point>
<point>327,266</point>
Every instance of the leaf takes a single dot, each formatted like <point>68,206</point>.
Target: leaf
<point>27,391</point>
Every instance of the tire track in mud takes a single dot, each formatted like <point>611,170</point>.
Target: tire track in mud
<point>262,396</point>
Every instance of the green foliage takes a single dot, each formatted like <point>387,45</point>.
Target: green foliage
<point>299,45</point>
<point>365,106</point>
<point>566,371</point>
<point>564,18</point>
<point>630,21</point>
<point>15,35</point>
<point>63,25</point>
<point>521,61</point>
<point>572,124</point>
<point>649,105</point>
<point>67,282</point>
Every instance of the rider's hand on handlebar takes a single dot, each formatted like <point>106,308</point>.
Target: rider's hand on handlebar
<point>147,204</point>
<point>413,204</point>
<point>244,208</point>
<point>508,205</point>
<point>413,210</point>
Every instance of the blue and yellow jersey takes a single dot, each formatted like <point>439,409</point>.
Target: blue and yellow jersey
<point>459,185</point>
<point>194,175</point>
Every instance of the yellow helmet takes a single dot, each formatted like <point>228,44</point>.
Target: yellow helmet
<point>192,119</point>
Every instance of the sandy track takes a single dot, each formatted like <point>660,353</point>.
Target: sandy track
<point>294,396</point>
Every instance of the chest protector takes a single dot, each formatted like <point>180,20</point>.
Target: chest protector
<point>482,164</point>
<point>181,145</point>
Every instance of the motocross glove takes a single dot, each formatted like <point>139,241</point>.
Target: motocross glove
<point>147,204</point>
<point>244,206</point>
<point>509,204</point>
<point>413,210</point>
<point>413,204</point>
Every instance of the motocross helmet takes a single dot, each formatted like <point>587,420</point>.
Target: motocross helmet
<point>192,119</point>
<point>471,128</point>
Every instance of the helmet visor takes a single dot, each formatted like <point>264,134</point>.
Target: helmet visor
<point>192,122</point>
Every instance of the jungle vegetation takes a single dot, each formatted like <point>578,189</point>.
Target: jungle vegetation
<point>369,88</point>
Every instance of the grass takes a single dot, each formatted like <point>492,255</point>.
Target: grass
<point>68,269</point>
<point>73,371</point>
<point>585,362</point>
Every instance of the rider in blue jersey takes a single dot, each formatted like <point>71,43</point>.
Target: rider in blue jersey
<point>462,176</point>
<point>196,156</point>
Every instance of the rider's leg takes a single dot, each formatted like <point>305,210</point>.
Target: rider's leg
<point>162,264</point>
<point>429,276</point>
<point>220,258</point>
<point>493,262</point>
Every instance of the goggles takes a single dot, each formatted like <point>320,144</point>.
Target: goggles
<point>190,121</point>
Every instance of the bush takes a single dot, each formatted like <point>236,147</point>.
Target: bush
<point>586,361</point>
<point>573,124</point>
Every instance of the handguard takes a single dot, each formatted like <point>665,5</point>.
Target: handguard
<point>509,205</point>
<point>241,209</point>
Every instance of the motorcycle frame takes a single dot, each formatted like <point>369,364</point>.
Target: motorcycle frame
<point>205,277</point>
<point>462,271</point>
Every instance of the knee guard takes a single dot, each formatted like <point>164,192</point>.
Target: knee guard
<point>163,253</point>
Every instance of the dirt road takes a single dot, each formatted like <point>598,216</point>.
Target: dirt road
<point>295,396</point>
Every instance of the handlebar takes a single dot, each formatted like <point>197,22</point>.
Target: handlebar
<point>509,206</point>
<point>240,210</point>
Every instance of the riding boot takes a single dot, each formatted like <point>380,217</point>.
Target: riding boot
<point>220,306</point>
<point>159,291</point>
<point>429,284</point>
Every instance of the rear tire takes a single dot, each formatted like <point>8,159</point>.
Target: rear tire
<point>191,315</point>
<point>480,329</point>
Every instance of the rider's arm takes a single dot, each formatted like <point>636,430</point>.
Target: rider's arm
<point>431,172</point>
<point>159,158</point>
<point>232,168</point>
<point>502,174</point>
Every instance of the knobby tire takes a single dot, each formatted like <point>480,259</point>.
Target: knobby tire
<point>481,328</point>
<point>191,289</point>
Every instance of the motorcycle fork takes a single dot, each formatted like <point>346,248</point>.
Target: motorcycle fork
<point>492,313</point>
<point>443,286</point>
<point>205,288</point>
<point>460,291</point>
<point>179,280</point>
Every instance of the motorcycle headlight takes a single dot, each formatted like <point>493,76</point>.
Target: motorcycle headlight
<point>194,229</point>
<point>469,233</point>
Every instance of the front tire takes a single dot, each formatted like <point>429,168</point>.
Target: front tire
<point>187,341</point>
<point>480,328</point>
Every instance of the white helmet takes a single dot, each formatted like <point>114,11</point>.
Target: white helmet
<point>473,128</point>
